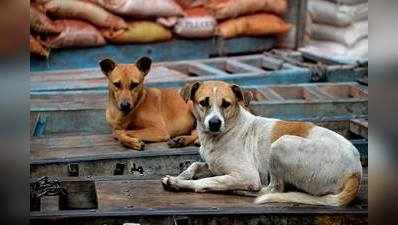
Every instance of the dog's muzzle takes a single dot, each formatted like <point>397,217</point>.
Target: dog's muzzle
<point>215,124</point>
<point>125,107</point>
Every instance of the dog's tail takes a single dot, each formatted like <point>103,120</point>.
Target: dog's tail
<point>348,194</point>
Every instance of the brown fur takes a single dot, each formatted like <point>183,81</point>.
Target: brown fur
<point>156,115</point>
<point>212,90</point>
<point>281,128</point>
<point>350,190</point>
<point>244,101</point>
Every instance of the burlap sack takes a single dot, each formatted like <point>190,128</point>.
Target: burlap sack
<point>198,23</point>
<point>348,2</point>
<point>222,9</point>
<point>253,25</point>
<point>336,51</point>
<point>37,49</point>
<point>138,32</point>
<point>142,8</point>
<point>40,23</point>
<point>326,12</point>
<point>347,36</point>
<point>75,9</point>
<point>75,34</point>
<point>191,3</point>
<point>196,27</point>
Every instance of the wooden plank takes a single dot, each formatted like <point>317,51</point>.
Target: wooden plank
<point>177,49</point>
<point>147,198</point>
<point>246,70</point>
<point>205,219</point>
<point>49,203</point>
<point>173,74</point>
<point>359,127</point>
<point>112,159</point>
<point>84,111</point>
<point>151,194</point>
<point>100,155</point>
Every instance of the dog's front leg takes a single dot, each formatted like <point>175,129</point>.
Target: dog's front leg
<point>195,170</point>
<point>185,140</point>
<point>149,134</point>
<point>128,141</point>
<point>229,182</point>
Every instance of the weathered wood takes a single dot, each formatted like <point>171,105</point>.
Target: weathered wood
<point>246,70</point>
<point>174,74</point>
<point>151,194</point>
<point>359,127</point>
<point>84,111</point>
<point>177,49</point>
<point>239,219</point>
<point>49,203</point>
<point>101,155</point>
<point>140,200</point>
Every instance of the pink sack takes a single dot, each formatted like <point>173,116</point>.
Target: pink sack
<point>40,23</point>
<point>74,9</point>
<point>75,34</point>
<point>142,8</point>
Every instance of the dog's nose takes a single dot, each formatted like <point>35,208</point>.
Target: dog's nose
<point>214,124</point>
<point>125,107</point>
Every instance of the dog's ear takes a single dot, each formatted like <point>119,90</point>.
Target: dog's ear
<point>107,66</point>
<point>144,65</point>
<point>189,90</point>
<point>248,96</point>
<point>238,93</point>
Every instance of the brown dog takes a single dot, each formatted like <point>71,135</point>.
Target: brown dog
<point>138,114</point>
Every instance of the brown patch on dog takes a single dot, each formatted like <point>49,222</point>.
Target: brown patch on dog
<point>300,129</point>
<point>350,189</point>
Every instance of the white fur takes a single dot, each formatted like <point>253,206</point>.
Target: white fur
<point>243,157</point>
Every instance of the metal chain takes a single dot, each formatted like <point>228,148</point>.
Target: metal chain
<point>46,186</point>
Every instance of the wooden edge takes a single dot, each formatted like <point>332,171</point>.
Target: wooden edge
<point>199,211</point>
<point>127,155</point>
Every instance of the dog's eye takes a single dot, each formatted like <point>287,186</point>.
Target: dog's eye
<point>133,85</point>
<point>117,84</point>
<point>225,104</point>
<point>204,103</point>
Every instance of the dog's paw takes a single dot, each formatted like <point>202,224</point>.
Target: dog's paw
<point>176,142</point>
<point>135,144</point>
<point>140,146</point>
<point>197,142</point>
<point>170,183</point>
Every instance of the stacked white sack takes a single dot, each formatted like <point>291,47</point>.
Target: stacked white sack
<point>337,29</point>
<point>325,12</point>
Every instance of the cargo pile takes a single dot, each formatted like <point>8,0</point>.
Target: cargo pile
<point>56,24</point>
<point>337,29</point>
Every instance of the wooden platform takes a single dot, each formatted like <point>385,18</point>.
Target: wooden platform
<point>177,49</point>
<point>117,200</point>
<point>84,111</point>
<point>100,155</point>
<point>267,68</point>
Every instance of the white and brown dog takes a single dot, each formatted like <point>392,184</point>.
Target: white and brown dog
<point>249,154</point>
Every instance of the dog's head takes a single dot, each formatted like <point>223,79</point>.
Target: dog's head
<point>126,81</point>
<point>215,104</point>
